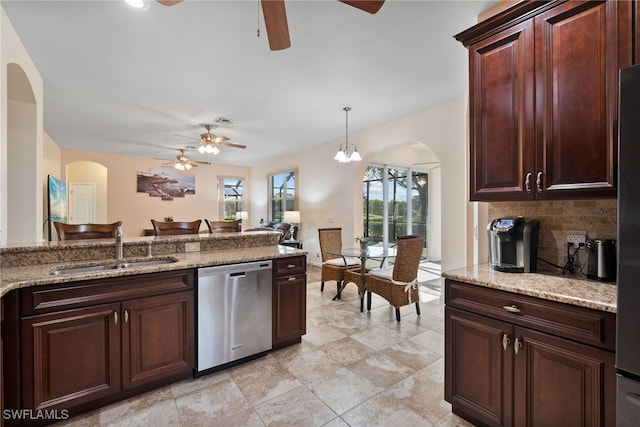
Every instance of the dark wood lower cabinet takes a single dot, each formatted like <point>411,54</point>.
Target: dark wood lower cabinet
<point>501,371</point>
<point>139,336</point>
<point>156,338</point>
<point>289,298</point>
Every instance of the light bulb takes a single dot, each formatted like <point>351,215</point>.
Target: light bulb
<point>135,3</point>
<point>187,166</point>
<point>179,166</point>
<point>209,148</point>
<point>215,150</point>
<point>355,156</point>
<point>201,149</point>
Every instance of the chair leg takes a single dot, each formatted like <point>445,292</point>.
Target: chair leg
<point>398,314</point>
<point>417,308</point>
<point>368,300</point>
<point>321,286</point>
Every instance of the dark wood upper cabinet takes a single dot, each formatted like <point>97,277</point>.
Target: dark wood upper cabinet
<point>543,81</point>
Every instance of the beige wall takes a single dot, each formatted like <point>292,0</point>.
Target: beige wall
<point>135,209</point>
<point>21,181</point>
<point>330,193</point>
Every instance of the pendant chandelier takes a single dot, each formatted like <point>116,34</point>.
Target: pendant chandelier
<point>347,152</point>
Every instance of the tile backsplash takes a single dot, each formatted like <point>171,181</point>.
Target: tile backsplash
<point>599,218</point>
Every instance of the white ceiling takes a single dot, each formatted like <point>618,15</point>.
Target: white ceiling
<point>126,81</point>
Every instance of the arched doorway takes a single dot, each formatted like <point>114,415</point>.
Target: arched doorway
<point>401,194</point>
<point>24,186</point>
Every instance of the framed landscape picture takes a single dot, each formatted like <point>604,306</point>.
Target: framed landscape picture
<point>57,202</point>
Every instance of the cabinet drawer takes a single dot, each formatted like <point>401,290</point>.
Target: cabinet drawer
<point>580,324</point>
<point>61,297</point>
<point>289,266</point>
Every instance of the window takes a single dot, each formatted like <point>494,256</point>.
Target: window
<point>395,202</point>
<point>282,194</point>
<point>231,196</point>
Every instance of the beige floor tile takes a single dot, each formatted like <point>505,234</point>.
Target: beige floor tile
<point>336,422</point>
<point>381,370</point>
<point>384,412</point>
<point>129,408</point>
<point>423,393</point>
<point>347,350</point>
<point>163,413</point>
<point>378,338</point>
<point>243,418</point>
<point>323,334</point>
<point>298,407</point>
<point>411,354</point>
<point>345,391</point>
<point>218,401</point>
<point>311,364</point>
<point>431,340</point>
<point>452,420</point>
<point>191,385</point>
<point>265,383</point>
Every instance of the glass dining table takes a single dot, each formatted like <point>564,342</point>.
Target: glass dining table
<point>370,252</point>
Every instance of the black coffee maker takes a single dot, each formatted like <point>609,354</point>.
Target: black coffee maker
<point>513,244</point>
<point>602,260</point>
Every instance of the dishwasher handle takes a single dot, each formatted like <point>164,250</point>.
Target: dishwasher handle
<point>238,274</point>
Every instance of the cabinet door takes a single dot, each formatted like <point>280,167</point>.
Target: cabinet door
<point>478,367</point>
<point>501,115</point>
<point>576,73</point>
<point>157,337</point>
<point>562,383</point>
<point>289,307</point>
<point>71,356</point>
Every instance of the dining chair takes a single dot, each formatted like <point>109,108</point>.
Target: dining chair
<point>169,228</point>
<point>334,265</point>
<point>398,284</point>
<point>232,226</point>
<point>86,231</point>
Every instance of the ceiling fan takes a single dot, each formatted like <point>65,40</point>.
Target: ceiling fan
<point>275,18</point>
<point>210,143</point>
<point>182,162</point>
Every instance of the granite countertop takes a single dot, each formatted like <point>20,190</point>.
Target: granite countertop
<point>38,274</point>
<point>571,290</point>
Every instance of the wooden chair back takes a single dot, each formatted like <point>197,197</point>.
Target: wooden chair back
<point>86,231</point>
<point>169,228</point>
<point>329,238</point>
<point>224,226</point>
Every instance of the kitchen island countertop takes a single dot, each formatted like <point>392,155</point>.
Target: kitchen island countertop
<point>570,290</point>
<point>39,273</point>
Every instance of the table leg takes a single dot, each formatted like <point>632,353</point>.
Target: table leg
<point>362,287</point>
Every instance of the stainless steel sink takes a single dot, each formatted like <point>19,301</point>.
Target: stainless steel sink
<point>113,266</point>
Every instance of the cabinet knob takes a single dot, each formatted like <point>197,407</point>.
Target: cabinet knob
<point>115,317</point>
<point>126,316</point>
<point>511,308</point>
<point>539,182</point>
<point>505,341</point>
<point>291,266</point>
<point>527,183</point>
<point>291,278</point>
<point>517,345</point>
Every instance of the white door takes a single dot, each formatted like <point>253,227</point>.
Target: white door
<point>82,203</point>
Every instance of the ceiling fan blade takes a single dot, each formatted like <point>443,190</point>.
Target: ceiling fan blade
<point>231,144</point>
<point>371,6</point>
<point>196,163</point>
<point>168,2</point>
<point>275,20</point>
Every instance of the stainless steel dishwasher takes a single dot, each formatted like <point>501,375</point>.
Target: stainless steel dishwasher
<point>234,313</point>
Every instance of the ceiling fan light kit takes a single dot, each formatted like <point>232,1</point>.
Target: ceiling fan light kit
<point>344,154</point>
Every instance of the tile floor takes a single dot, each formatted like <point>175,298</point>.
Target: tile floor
<point>351,369</point>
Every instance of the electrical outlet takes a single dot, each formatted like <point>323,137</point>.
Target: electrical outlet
<point>578,238</point>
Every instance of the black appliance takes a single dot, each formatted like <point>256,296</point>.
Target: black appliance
<point>602,260</point>
<point>628,311</point>
<point>513,244</point>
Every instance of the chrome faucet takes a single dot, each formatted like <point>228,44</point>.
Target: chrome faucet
<point>119,251</point>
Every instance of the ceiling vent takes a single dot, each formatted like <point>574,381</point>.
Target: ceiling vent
<point>223,121</point>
